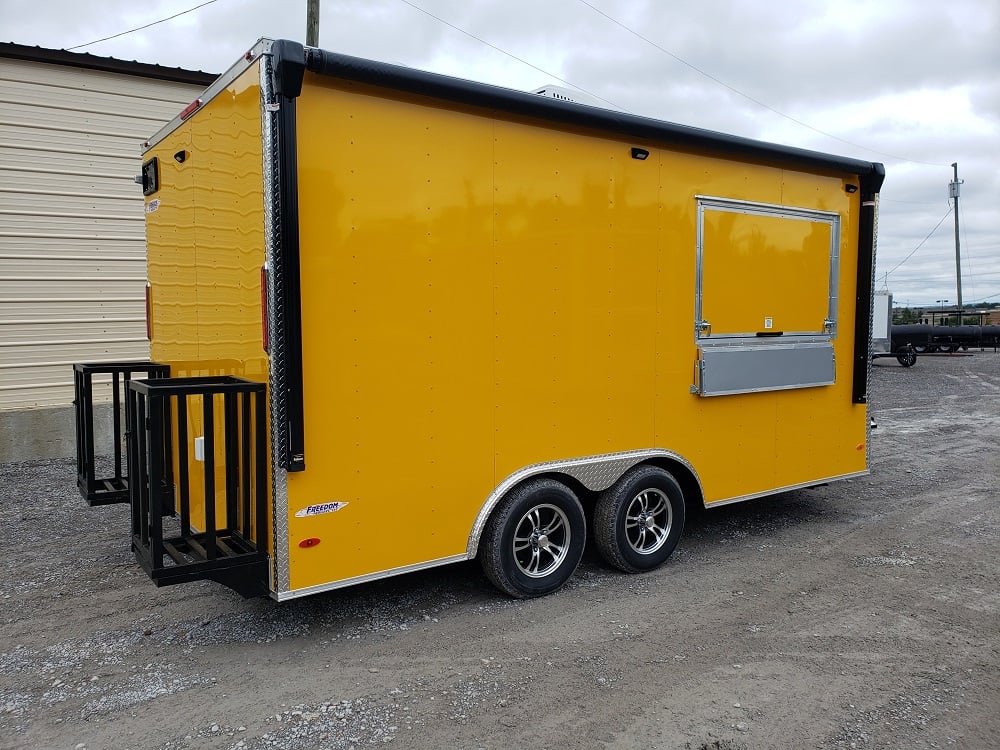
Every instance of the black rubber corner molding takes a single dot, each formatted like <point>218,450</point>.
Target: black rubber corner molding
<point>289,66</point>
<point>871,184</point>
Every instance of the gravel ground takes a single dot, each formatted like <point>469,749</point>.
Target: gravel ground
<point>863,614</point>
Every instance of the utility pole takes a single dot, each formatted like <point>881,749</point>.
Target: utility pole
<point>312,26</point>
<point>954,189</point>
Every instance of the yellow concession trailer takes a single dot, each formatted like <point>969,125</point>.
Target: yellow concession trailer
<point>400,320</point>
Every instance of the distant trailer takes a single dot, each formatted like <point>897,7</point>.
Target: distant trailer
<point>400,320</point>
<point>883,343</point>
<point>927,339</point>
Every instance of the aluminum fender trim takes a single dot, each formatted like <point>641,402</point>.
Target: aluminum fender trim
<point>282,596</point>
<point>593,472</point>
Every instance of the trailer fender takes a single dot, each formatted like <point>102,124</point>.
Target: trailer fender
<point>595,473</point>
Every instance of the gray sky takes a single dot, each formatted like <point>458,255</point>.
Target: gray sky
<point>912,83</point>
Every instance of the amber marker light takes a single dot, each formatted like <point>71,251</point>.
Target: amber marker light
<point>149,312</point>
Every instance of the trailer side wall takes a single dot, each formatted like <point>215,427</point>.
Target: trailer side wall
<point>482,292</point>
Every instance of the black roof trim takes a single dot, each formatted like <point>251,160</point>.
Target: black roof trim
<point>108,64</point>
<point>522,103</point>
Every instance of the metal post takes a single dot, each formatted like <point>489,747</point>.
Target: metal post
<point>312,23</point>
<point>954,190</point>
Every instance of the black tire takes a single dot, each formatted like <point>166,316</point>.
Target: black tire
<point>639,519</point>
<point>920,348</point>
<point>907,359</point>
<point>534,540</point>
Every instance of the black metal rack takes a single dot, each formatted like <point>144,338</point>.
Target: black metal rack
<point>231,546</point>
<point>104,490</point>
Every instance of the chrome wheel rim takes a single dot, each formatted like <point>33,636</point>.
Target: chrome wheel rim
<point>541,541</point>
<point>647,521</point>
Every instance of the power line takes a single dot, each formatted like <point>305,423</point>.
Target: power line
<point>947,213</point>
<point>505,52</point>
<point>758,102</point>
<point>563,80</point>
<point>140,28</point>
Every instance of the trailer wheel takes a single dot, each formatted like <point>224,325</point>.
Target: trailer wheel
<point>907,359</point>
<point>534,540</point>
<point>639,519</point>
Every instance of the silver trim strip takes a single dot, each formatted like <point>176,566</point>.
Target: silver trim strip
<point>776,209</point>
<point>789,488</point>
<point>220,84</point>
<point>593,472</point>
<point>282,596</point>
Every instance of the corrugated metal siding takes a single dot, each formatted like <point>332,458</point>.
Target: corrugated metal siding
<point>72,245</point>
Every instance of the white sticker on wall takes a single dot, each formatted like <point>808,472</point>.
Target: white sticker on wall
<point>320,509</point>
<point>152,206</point>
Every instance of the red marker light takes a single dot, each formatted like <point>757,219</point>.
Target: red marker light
<point>190,109</point>
<point>310,542</point>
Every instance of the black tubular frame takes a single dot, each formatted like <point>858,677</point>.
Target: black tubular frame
<point>112,489</point>
<point>231,549</point>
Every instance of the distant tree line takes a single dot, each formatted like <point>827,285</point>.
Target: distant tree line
<point>903,315</point>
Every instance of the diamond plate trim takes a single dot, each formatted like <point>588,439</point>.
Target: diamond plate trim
<point>280,573</point>
<point>871,346</point>
<point>593,472</point>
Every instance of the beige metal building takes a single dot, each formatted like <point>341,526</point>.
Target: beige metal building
<point>72,247</point>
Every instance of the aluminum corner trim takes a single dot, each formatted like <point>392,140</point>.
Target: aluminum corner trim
<point>220,84</point>
<point>280,573</point>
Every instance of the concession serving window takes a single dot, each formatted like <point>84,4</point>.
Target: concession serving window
<point>765,297</point>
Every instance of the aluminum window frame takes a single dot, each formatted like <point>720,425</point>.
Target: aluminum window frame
<point>731,205</point>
